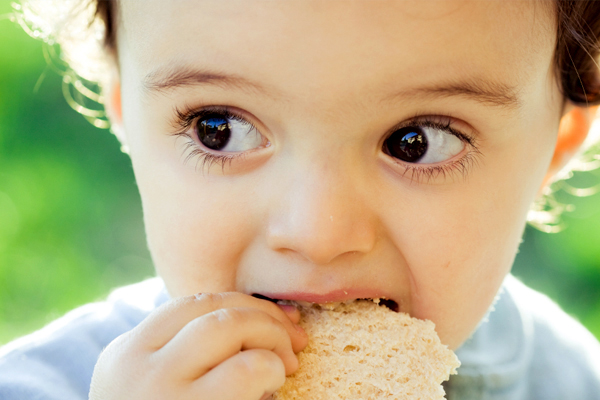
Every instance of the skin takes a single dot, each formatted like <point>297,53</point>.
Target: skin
<point>321,213</point>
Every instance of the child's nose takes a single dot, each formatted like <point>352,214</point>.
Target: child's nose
<point>320,216</point>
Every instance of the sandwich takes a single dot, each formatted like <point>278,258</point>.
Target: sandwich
<point>362,350</point>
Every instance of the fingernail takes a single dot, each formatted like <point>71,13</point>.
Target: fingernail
<point>296,363</point>
<point>287,308</point>
<point>266,396</point>
<point>299,329</point>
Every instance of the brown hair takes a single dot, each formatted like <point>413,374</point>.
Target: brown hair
<point>576,53</point>
<point>105,11</point>
<point>577,50</point>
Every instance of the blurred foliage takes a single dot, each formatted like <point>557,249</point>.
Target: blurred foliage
<point>70,214</point>
<point>566,265</point>
<point>71,221</point>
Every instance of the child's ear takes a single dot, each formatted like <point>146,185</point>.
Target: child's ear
<point>572,132</point>
<point>113,107</point>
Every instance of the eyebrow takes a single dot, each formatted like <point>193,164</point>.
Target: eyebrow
<point>167,79</point>
<point>487,92</point>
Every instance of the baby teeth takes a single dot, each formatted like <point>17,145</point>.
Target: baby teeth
<point>329,305</point>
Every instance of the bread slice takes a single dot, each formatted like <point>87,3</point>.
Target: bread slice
<point>360,350</point>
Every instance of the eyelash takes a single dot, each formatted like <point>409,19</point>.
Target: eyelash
<point>185,118</point>
<point>419,173</point>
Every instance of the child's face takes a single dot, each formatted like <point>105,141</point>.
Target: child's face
<point>321,207</point>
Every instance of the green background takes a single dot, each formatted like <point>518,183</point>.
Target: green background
<point>71,221</point>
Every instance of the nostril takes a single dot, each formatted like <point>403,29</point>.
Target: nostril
<point>260,296</point>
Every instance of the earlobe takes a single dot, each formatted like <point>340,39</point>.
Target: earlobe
<point>116,103</point>
<point>114,111</point>
<point>572,132</point>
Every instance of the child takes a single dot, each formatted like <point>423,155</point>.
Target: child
<point>324,151</point>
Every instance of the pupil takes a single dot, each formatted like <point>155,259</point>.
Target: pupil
<point>214,131</point>
<point>408,144</point>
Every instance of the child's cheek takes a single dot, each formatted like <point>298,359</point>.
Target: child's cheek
<point>197,233</point>
<point>196,225</point>
<point>468,235</point>
<point>461,252</point>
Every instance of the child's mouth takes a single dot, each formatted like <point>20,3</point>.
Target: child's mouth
<point>391,304</point>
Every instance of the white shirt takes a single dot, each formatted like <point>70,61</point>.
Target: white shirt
<point>528,350</point>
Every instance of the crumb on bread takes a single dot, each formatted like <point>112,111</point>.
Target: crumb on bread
<point>359,350</point>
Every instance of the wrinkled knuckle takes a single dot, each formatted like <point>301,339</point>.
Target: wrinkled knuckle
<point>172,305</point>
<point>220,320</point>
<point>259,363</point>
<point>274,324</point>
<point>182,302</point>
<point>212,300</point>
<point>229,316</point>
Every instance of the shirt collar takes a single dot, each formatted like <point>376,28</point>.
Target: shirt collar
<point>495,359</point>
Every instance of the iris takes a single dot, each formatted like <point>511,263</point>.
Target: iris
<point>214,131</point>
<point>407,144</point>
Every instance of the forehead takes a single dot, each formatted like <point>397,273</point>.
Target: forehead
<point>301,46</point>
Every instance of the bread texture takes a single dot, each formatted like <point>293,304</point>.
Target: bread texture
<point>365,351</point>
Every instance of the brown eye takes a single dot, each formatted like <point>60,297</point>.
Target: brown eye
<point>407,144</point>
<point>226,132</point>
<point>214,131</point>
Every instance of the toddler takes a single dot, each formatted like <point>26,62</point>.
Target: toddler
<point>324,150</point>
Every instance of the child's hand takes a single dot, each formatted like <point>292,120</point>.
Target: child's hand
<point>212,346</point>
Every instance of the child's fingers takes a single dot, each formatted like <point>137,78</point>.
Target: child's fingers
<point>292,312</point>
<point>209,340</point>
<point>256,373</point>
<point>163,324</point>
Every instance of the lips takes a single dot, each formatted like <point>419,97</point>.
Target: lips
<point>391,304</point>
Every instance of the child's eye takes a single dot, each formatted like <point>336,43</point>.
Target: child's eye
<point>430,147</point>
<point>216,134</point>
<point>222,131</point>
<point>423,144</point>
